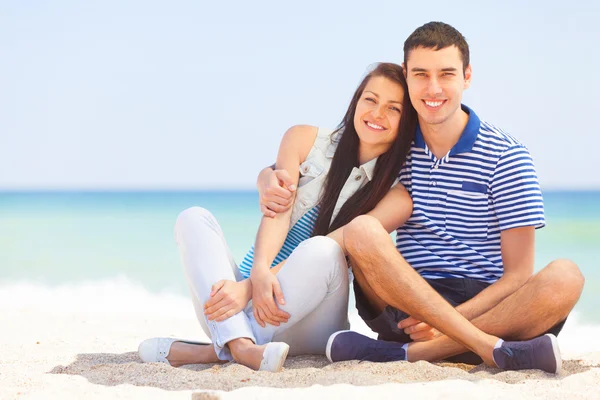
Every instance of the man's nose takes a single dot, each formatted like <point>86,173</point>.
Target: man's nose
<point>434,87</point>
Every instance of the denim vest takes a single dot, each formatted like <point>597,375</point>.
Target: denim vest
<point>313,172</point>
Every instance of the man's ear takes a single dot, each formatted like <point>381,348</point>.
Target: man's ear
<point>404,69</point>
<point>468,76</point>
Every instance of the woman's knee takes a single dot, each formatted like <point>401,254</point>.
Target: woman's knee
<point>193,216</point>
<point>321,249</point>
<point>322,254</point>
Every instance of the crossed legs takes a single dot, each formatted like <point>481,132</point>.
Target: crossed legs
<point>314,281</point>
<point>387,279</point>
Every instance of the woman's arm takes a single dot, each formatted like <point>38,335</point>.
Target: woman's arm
<point>294,149</point>
<point>392,211</point>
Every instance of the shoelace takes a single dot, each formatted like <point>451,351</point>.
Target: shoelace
<point>517,357</point>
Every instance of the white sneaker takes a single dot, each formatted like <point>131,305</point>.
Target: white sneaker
<point>157,349</point>
<point>274,356</point>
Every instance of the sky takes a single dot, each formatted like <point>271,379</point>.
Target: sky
<point>186,95</point>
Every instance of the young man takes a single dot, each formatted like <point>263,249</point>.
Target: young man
<point>461,274</point>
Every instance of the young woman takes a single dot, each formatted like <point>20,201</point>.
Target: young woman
<point>286,294</point>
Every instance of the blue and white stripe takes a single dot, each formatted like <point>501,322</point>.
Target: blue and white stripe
<point>486,184</point>
<point>301,231</point>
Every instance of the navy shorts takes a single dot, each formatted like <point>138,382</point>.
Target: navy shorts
<point>455,290</point>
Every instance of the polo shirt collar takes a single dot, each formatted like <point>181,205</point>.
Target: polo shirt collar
<point>467,138</point>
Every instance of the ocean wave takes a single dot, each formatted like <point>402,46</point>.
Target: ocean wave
<point>121,296</point>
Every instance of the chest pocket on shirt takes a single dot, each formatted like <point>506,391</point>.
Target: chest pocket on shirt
<point>309,170</point>
<point>309,184</point>
<point>467,215</point>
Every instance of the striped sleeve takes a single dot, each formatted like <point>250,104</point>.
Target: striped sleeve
<point>516,194</point>
<point>404,175</point>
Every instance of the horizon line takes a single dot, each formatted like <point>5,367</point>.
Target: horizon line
<point>202,190</point>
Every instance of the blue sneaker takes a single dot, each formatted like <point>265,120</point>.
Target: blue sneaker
<point>349,345</point>
<point>539,353</point>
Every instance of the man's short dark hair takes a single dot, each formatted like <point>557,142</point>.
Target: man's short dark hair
<point>437,36</point>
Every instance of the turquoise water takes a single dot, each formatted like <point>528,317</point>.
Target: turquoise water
<point>57,238</point>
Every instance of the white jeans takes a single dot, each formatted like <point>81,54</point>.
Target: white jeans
<point>314,282</point>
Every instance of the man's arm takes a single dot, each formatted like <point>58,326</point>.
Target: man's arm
<point>273,196</point>
<point>517,246</point>
<point>517,201</point>
<point>275,190</point>
<point>392,211</point>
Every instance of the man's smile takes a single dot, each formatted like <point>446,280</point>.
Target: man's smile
<point>433,104</point>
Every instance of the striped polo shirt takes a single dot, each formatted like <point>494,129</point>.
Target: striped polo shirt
<point>486,184</point>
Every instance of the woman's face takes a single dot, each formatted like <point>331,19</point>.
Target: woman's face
<point>378,112</point>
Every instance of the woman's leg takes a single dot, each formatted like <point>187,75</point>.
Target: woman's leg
<point>206,259</point>
<point>314,281</point>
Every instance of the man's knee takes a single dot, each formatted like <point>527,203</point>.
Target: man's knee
<point>363,231</point>
<point>560,283</point>
<point>565,275</point>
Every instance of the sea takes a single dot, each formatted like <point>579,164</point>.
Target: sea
<point>51,241</point>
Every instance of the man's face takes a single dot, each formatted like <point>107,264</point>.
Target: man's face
<point>435,83</point>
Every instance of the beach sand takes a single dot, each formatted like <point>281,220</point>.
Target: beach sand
<point>79,343</point>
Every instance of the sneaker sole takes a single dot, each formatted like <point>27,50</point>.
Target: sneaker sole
<point>556,350</point>
<point>330,343</point>
<point>281,357</point>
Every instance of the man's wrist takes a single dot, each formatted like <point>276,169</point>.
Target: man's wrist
<point>261,174</point>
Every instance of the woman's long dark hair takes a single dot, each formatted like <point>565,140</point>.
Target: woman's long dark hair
<point>346,158</point>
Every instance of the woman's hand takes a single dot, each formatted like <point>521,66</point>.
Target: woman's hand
<point>264,286</point>
<point>227,298</point>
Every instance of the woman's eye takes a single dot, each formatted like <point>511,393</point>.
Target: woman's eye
<point>370,99</point>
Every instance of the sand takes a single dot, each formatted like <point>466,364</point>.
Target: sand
<point>79,343</point>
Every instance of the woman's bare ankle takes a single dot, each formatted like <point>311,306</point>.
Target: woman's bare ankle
<point>182,353</point>
<point>246,352</point>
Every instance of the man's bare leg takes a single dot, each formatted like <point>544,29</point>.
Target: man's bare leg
<point>544,300</point>
<point>389,274</point>
<point>374,301</point>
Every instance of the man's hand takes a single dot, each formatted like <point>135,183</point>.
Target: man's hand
<point>227,298</point>
<point>418,331</point>
<point>264,286</point>
<point>275,190</point>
